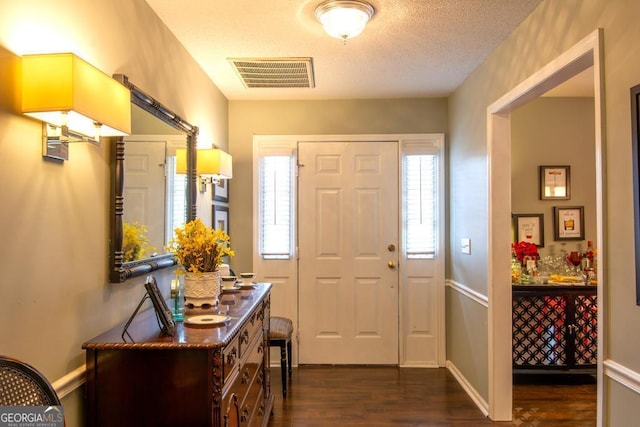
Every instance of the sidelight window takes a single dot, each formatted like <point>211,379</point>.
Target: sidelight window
<point>420,210</point>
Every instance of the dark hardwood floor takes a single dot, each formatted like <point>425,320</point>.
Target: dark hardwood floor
<point>391,396</point>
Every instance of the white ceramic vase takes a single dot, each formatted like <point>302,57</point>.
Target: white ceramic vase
<point>201,289</point>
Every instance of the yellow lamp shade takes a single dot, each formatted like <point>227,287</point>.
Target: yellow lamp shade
<point>212,162</point>
<point>62,89</point>
<point>215,163</point>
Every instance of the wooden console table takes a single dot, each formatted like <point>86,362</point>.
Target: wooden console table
<point>554,328</point>
<point>201,376</point>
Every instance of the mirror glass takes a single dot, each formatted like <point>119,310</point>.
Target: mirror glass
<point>154,195</point>
<point>149,200</point>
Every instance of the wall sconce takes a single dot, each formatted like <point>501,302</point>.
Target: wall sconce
<point>75,100</point>
<point>213,164</point>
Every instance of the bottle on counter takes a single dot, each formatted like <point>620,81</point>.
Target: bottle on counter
<point>591,254</point>
<point>585,262</point>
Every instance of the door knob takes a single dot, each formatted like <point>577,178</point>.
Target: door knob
<point>391,265</point>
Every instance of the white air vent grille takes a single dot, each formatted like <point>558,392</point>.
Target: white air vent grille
<point>274,72</point>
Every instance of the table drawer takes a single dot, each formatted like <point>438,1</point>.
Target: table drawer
<point>230,359</point>
<point>252,328</point>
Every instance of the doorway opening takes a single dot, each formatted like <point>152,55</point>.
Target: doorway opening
<point>587,53</point>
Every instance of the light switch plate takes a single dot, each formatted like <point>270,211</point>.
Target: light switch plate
<point>465,245</point>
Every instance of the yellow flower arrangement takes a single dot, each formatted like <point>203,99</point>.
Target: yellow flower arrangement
<point>134,241</point>
<point>200,248</point>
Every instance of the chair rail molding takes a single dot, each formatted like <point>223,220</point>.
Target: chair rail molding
<point>71,381</point>
<point>622,375</point>
<point>468,292</point>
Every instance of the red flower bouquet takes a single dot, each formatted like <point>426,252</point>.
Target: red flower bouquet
<point>524,249</point>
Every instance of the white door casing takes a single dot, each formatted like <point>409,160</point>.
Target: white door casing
<point>420,305</point>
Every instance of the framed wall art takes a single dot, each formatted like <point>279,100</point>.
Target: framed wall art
<point>569,222</point>
<point>555,182</point>
<point>529,228</point>
<point>220,190</point>
<point>221,217</point>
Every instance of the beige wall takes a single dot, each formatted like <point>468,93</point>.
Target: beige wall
<point>554,131</point>
<point>54,219</point>
<point>554,27</point>
<point>248,118</point>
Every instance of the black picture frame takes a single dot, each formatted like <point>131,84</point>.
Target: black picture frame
<point>635,128</point>
<point>568,222</point>
<point>221,217</point>
<point>164,315</point>
<point>529,228</point>
<point>555,179</point>
<point>220,190</point>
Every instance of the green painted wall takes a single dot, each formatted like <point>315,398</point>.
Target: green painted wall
<point>554,27</point>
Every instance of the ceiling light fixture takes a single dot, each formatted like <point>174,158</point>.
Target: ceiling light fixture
<point>344,19</point>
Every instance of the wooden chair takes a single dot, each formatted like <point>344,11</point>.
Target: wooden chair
<point>22,385</point>
<point>280,331</point>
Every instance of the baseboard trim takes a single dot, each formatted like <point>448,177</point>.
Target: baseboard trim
<point>472,392</point>
<point>70,381</point>
<point>622,375</point>
<point>468,292</point>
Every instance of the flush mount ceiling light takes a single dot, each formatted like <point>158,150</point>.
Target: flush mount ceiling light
<point>344,19</point>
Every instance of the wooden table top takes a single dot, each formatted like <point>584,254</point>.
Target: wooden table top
<point>144,331</point>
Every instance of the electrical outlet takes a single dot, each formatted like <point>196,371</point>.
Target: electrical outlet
<point>465,245</point>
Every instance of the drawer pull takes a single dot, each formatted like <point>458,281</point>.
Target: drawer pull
<point>245,376</point>
<point>244,337</point>
<point>245,414</point>
<point>231,357</point>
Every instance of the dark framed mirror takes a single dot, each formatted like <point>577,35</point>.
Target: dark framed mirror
<point>148,198</point>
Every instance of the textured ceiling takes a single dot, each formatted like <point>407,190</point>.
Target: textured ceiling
<point>411,48</point>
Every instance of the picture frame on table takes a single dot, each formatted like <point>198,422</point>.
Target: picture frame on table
<point>221,217</point>
<point>220,190</point>
<point>569,222</point>
<point>529,228</point>
<point>164,315</point>
<point>555,182</point>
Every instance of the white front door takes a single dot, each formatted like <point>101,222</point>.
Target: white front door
<point>348,252</point>
<point>144,189</point>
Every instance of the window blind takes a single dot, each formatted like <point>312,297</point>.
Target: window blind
<point>420,205</point>
<point>275,207</point>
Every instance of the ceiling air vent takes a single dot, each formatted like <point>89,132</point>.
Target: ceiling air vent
<point>278,73</point>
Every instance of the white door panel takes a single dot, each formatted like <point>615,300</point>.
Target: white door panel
<point>144,188</point>
<point>348,216</point>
